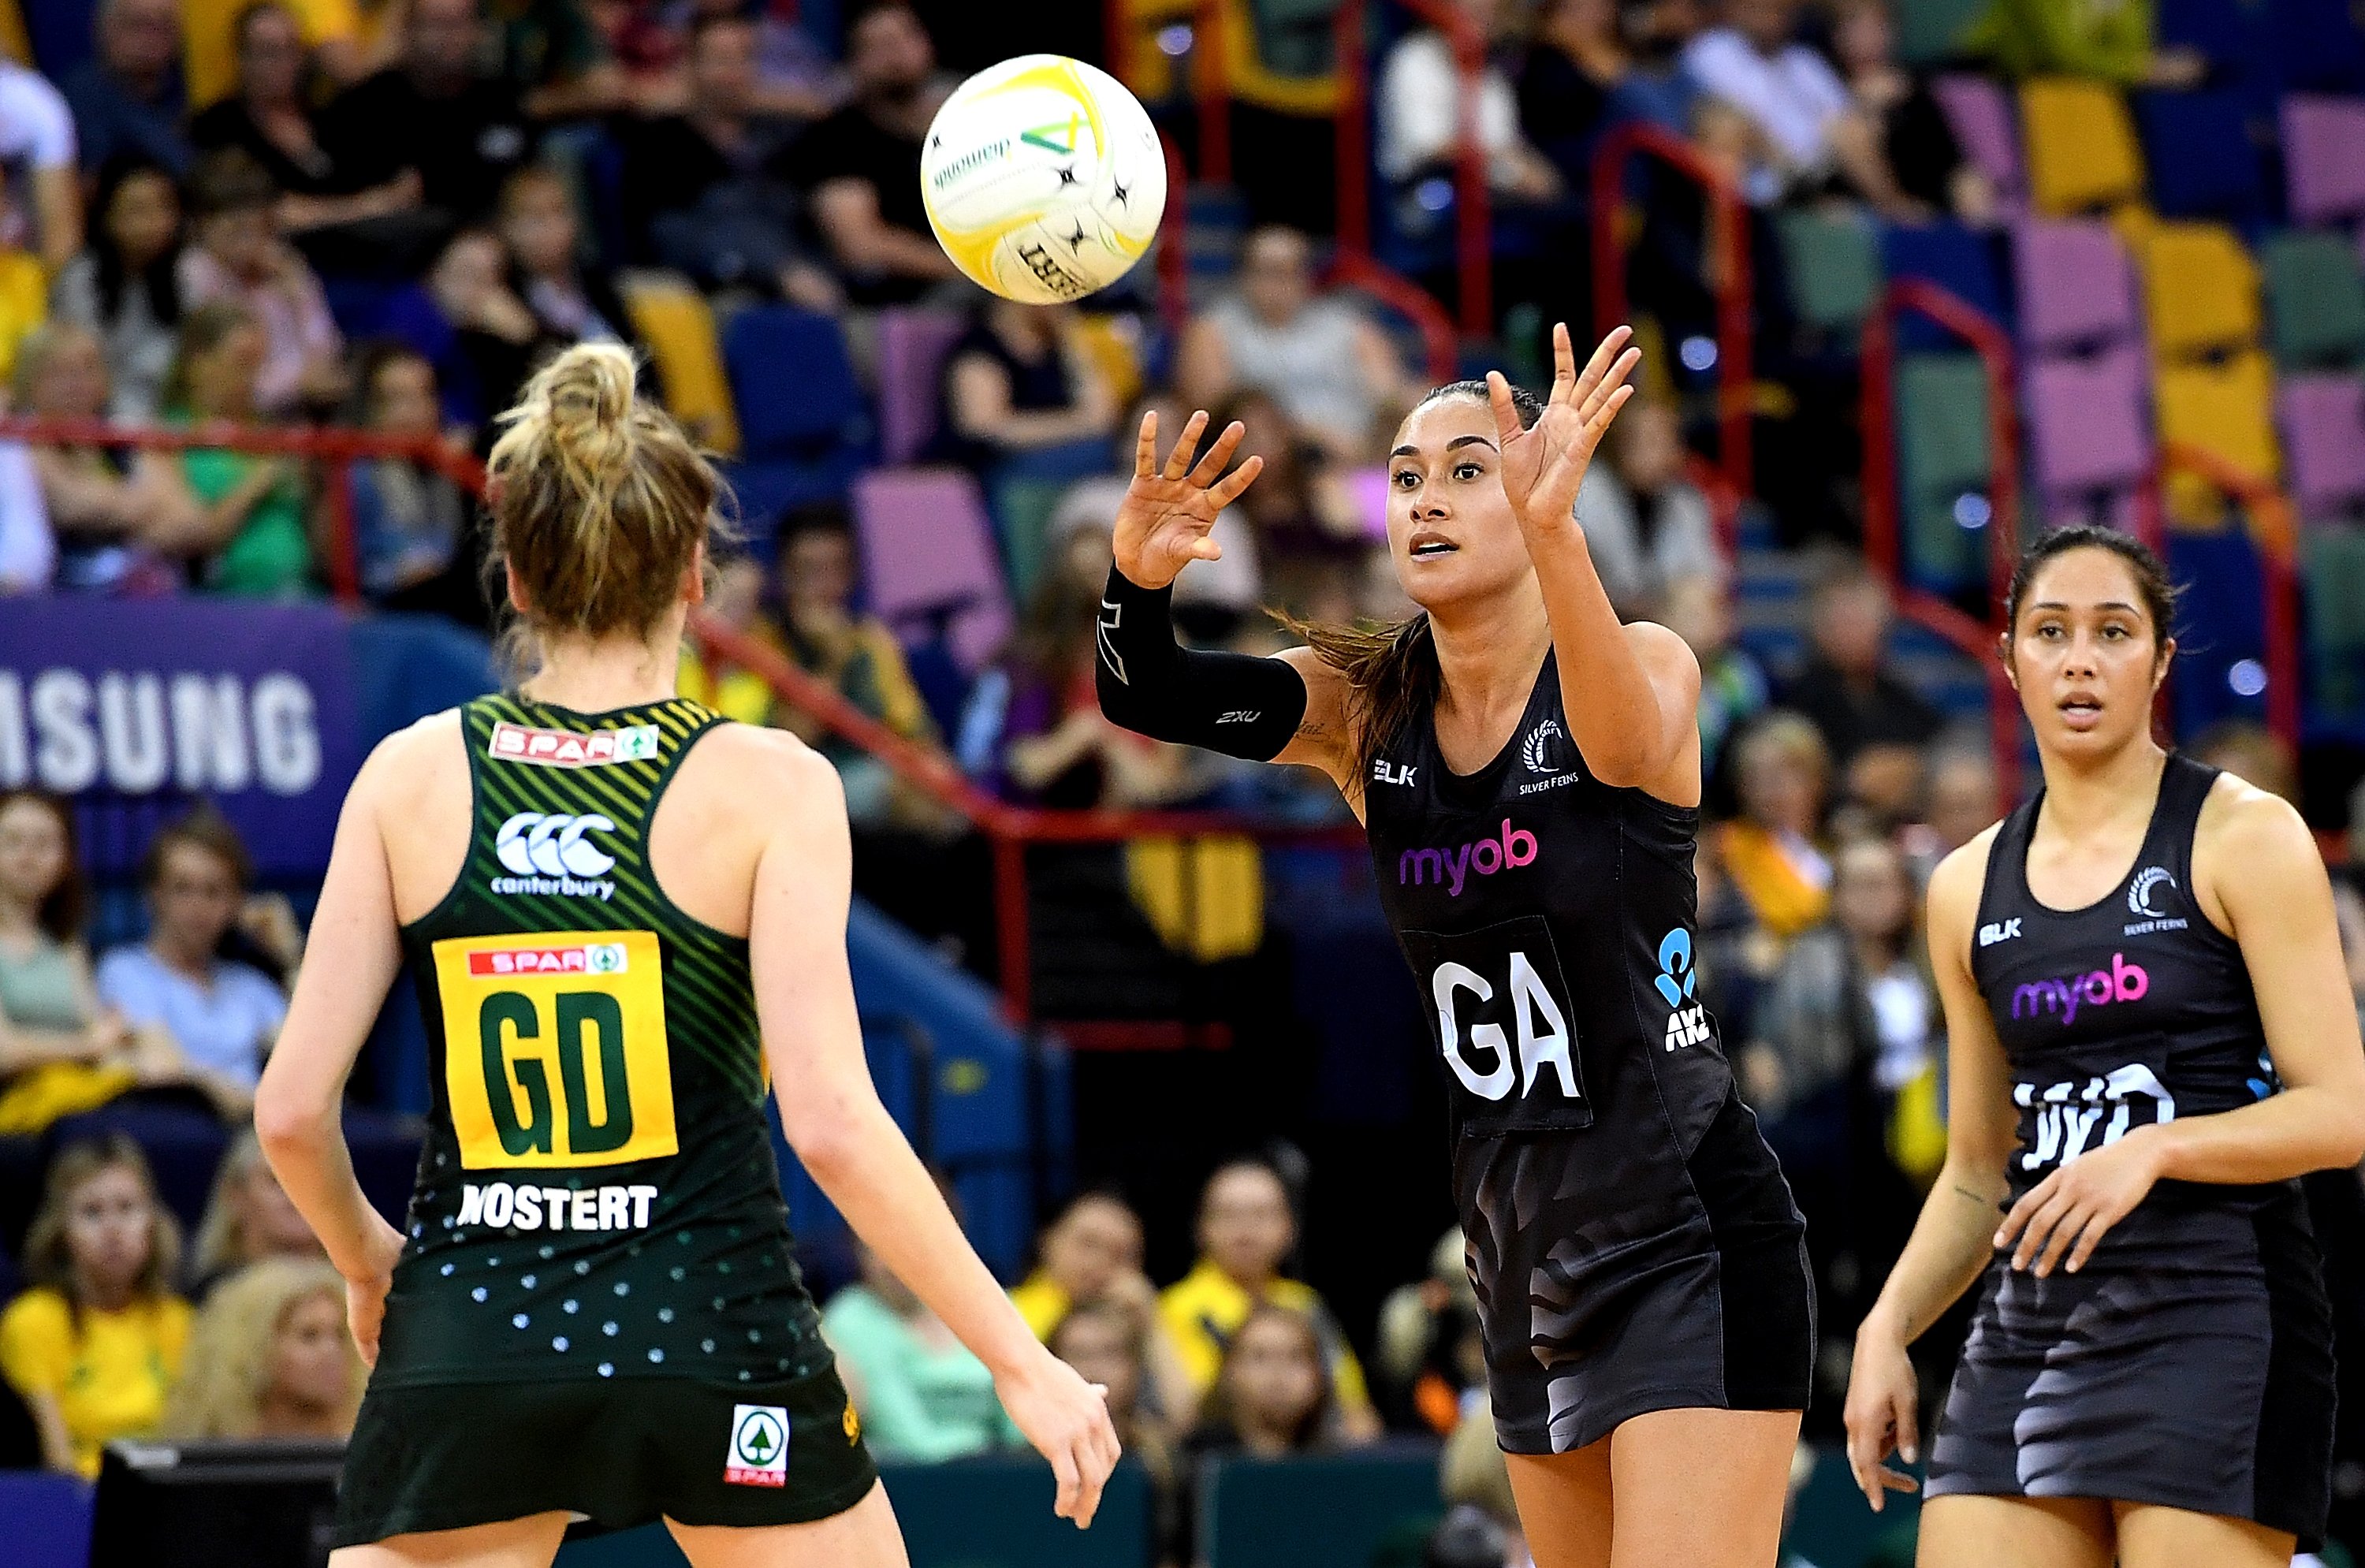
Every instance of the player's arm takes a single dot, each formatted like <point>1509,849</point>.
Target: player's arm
<point>1953,1242</point>
<point>2252,851</point>
<point>352,956</point>
<point>830,1110</point>
<point>1631,693</point>
<point>1288,709</point>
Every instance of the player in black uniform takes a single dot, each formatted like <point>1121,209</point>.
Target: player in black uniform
<point>626,920</point>
<point>2149,1039</point>
<point>1529,770</point>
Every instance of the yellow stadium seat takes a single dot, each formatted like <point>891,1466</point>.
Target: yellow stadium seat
<point>1249,77</point>
<point>2226,410</point>
<point>2200,290</point>
<point>23,304</point>
<point>672,318</point>
<point>14,41</point>
<point>2082,152</point>
<point>1114,345</point>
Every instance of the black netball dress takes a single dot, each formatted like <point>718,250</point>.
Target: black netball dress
<point>2188,1363</point>
<point>1631,1240</point>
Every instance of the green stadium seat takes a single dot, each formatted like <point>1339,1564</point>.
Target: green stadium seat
<point>2333,571</point>
<point>1943,457</point>
<point>1022,507</point>
<point>1930,31</point>
<point>2315,300</point>
<point>1833,260</point>
<point>1315,1511</point>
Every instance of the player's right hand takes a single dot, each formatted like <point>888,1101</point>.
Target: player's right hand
<point>365,1288</point>
<point>1881,1414</point>
<point>1168,510</point>
<point>1067,1420</point>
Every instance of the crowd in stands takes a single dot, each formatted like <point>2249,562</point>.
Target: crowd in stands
<point>282,215</point>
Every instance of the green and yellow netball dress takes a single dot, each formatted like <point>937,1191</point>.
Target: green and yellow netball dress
<point>596,1310</point>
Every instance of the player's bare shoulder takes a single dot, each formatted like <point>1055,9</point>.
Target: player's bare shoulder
<point>415,761</point>
<point>1955,887</point>
<point>751,780</point>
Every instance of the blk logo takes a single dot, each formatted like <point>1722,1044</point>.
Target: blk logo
<point>1996,931</point>
<point>1388,772</point>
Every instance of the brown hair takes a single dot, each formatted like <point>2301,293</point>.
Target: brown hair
<point>203,331</point>
<point>598,500</point>
<point>204,828</point>
<point>2152,585</point>
<point>1391,669</point>
<point>67,904</point>
<point>48,1260</point>
<point>1218,1408</point>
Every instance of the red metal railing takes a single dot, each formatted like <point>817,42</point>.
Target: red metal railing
<point>1173,264</point>
<point>1400,294</point>
<point>335,450</point>
<point>1729,251</point>
<point>1882,544</point>
<point>2273,526</point>
<point>1211,92</point>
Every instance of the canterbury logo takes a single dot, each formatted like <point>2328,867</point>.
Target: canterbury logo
<point>532,843</point>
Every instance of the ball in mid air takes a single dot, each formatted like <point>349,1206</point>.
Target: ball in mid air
<point>1044,178</point>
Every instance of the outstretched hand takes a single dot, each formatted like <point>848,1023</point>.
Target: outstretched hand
<point>1543,466</point>
<point>1163,522</point>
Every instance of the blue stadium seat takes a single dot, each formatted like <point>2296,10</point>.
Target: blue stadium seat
<point>49,1518</point>
<point>2203,163</point>
<point>60,32</point>
<point>2319,46</point>
<point>804,425</point>
<point>2225,612</point>
<point>1964,261</point>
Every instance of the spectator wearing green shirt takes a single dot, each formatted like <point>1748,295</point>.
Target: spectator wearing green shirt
<point>254,543</point>
<point>2109,39</point>
<point>919,1393</point>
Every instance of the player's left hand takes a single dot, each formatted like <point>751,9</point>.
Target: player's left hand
<point>1544,466</point>
<point>2071,1210</point>
<point>366,1284</point>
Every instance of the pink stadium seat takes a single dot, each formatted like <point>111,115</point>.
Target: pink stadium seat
<point>2077,286</point>
<point>2323,419</point>
<point>2088,427</point>
<point>2324,157</point>
<point>912,348</point>
<point>1980,117</point>
<point>928,553</point>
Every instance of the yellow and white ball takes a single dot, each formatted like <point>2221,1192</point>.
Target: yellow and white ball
<point>1044,178</point>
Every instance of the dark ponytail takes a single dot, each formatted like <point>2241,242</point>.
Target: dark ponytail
<point>1391,671</point>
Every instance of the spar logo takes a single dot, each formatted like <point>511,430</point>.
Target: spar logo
<point>2061,998</point>
<point>585,958</point>
<point>1515,847</point>
<point>759,1446</point>
<point>565,749</point>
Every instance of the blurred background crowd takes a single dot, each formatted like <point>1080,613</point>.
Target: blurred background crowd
<point>234,235</point>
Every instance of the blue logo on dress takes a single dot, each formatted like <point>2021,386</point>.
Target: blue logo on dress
<point>1676,980</point>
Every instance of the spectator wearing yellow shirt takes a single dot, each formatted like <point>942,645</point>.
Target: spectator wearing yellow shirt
<point>1091,1256</point>
<point>1246,1228</point>
<point>94,1347</point>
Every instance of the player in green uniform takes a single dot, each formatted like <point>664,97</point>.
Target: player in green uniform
<point>622,915</point>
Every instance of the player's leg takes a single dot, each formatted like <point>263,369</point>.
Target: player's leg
<point>2154,1537</point>
<point>1964,1531</point>
<point>1564,1506</point>
<point>1704,1488</point>
<point>529,1542</point>
<point>864,1536</point>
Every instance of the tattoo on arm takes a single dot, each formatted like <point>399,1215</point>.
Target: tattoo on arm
<point>1982,1199</point>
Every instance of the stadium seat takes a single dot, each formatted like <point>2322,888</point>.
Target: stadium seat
<point>1980,117</point>
<point>2202,162</point>
<point>792,383</point>
<point>672,318</point>
<point>2224,410</point>
<point>1961,261</point>
<point>48,1518</point>
<point>913,344</point>
<point>2076,286</point>
<point>2081,145</point>
<point>2319,45</point>
<point>2332,564</point>
<point>1112,340</point>
<point>2315,300</point>
<point>2224,600</point>
<point>2088,429</point>
<point>1261,1513</point>
<point>2323,173</point>
<point>1942,457</point>
<point>1833,261</point>
<point>1930,31</point>
<point>23,304</point>
<point>2323,421</point>
<point>928,556</point>
<point>2201,290</point>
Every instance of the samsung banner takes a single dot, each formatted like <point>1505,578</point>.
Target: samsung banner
<point>154,702</point>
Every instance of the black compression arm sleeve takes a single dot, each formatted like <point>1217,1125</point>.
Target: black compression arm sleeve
<point>1235,704</point>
